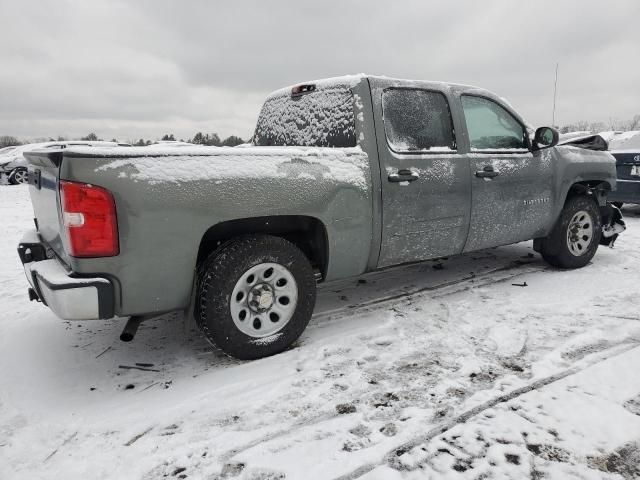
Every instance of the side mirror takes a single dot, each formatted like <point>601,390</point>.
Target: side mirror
<point>545,137</point>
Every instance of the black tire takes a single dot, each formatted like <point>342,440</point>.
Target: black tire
<point>556,249</point>
<point>222,272</point>
<point>18,176</point>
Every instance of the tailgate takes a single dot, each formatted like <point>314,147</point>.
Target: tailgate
<point>44,172</point>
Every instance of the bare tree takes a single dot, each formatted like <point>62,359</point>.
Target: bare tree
<point>612,124</point>
<point>8,141</point>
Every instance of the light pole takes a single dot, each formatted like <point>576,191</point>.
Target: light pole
<point>555,91</point>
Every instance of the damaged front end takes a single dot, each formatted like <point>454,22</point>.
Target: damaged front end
<point>612,224</point>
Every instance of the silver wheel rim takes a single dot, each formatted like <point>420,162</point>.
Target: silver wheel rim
<point>263,300</point>
<point>20,176</point>
<point>580,233</point>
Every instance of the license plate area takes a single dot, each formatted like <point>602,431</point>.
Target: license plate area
<point>32,252</point>
<point>635,171</point>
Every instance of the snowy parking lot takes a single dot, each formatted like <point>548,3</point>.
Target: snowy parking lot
<point>487,365</point>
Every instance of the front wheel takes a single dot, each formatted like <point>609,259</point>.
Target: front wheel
<point>575,237</point>
<point>255,296</point>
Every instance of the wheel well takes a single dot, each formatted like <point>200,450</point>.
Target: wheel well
<point>598,188</point>
<point>307,233</point>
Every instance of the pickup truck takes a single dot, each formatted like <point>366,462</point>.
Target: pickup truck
<point>343,176</point>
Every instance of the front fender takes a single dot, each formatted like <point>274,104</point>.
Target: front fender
<point>584,171</point>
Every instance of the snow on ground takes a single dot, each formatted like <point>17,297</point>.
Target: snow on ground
<point>446,369</point>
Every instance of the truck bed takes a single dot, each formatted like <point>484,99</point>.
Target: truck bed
<point>167,198</point>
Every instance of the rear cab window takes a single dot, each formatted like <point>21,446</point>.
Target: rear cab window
<point>491,127</point>
<point>320,116</point>
<point>417,121</point>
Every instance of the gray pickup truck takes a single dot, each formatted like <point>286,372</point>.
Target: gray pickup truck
<point>343,176</point>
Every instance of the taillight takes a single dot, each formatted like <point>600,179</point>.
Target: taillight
<point>89,218</point>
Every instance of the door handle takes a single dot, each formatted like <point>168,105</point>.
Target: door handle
<point>404,175</point>
<point>487,172</point>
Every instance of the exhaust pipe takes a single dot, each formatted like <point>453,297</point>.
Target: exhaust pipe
<point>131,328</point>
<point>33,296</point>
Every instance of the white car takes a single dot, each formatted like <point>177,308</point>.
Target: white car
<point>173,143</point>
<point>14,165</point>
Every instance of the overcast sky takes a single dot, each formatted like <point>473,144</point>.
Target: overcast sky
<point>131,69</point>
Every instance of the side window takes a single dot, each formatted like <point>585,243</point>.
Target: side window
<point>417,121</point>
<point>490,126</point>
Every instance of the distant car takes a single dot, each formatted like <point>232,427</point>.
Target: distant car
<point>173,143</point>
<point>6,150</point>
<point>625,147</point>
<point>14,165</point>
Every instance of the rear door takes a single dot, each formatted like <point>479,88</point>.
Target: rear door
<point>511,186</point>
<point>425,181</point>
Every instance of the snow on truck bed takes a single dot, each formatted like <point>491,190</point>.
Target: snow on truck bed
<point>162,164</point>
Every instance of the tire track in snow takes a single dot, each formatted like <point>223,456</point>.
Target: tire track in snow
<point>465,416</point>
<point>229,454</point>
<point>466,283</point>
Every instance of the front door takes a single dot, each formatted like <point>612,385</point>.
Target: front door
<point>425,182</point>
<point>511,186</point>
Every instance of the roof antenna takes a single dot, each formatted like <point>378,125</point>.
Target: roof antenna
<point>555,91</point>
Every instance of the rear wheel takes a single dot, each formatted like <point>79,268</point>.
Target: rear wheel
<point>575,237</point>
<point>255,296</point>
<point>18,175</point>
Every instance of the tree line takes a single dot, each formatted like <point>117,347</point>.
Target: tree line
<point>612,125</point>
<point>214,140</point>
<point>199,138</point>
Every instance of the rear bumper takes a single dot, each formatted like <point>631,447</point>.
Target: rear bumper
<point>627,191</point>
<point>69,297</point>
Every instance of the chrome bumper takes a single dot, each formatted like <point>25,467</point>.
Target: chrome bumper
<point>69,297</point>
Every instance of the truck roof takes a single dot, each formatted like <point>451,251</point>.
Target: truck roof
<point>350,81</point>
<point>353,80</point>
